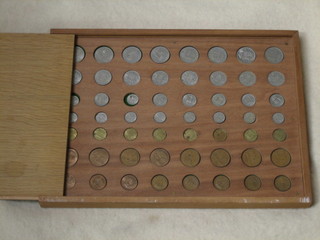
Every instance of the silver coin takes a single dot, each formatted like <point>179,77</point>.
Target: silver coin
<point>103,77</point>
<point>219,117</point>
<point>160,78</point>
<point>247,78</point>
<point>77,77</point>
<point>189,117</point>
<point>131,78</point>
<point>130,117</point>
<point>101,117</point>
<point>189,100</point>
<point>246,55</point>
<point>79,54</point>
<point>276,100</point>
<point>75,100</point>
<point>249,117</point>
<point>274,55</point>
<point>73,117</point>
<point>276,78</point>
<point>189,54</point>
<point>159,117</point>
<point>132,54</point>
<point>101,99</point>
<point>132,99</point>
<point>218,78</point>
<point>160,99</point>
<point>278,118</point>
<point>160,54</point>
<point>218,99</point>
<point>248,100</point>
<point>217,55</point>
<point>189,78</point>
<point>103,54</point>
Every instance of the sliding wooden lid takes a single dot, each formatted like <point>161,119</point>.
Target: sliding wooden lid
<point>35,83</point>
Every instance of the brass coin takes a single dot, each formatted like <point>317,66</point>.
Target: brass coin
<point>220,135</point>
<point>159,134</point>
<point>190,157</point>
<point>130,134</point>
<point>71,181</point>
<point>100,134</point>
<point>130,157</point>
<point>129,182</point>
<point>279,135</point>
<point>190,182</point>
<point>280,157</point>
<point>220,157</point>
<point>282,183</point>
<point>250,135</point>
<point>72,157</point>
<point>73,133</point>
<point>160,157</point>
<point>190,134</point>
<point>221,182</point>
<point>252,183</point>
<point>159,182</point>
<point>99,157</point>
<point>251,157</point>
<point>98,182</point>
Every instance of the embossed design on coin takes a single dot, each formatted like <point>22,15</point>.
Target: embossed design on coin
<point>77,77</point>
<point>98,182</point>
<point>277,100</point>
<point>251,157</point>
<point>130,117</point>
<point>159,117</point>
<point>220,134</point>
<point>249,100</point>
<point>73,133</point>
<point>73,117</point>
<point>131,78</point>
<point>218,99</point>
<point>190,157</point>
<point>250,135</point>
<point>217,55</point>
<point>99,157</point>
<point>218,78</point>
<point>129,182</point>
<point>132,54</point>
<point>280,157</point>
<point>101,99</point>
<point>160,78</point>
<point>220,157</point>
<point>282,183</point>
<point>189,78</point>
<point>274,55</point>
<point>130,157</point>
<point>189,100</point>
<point>189,117</point>
<point>190,182</point>
<point>276,78</point>
<point>72,157</point>
<point>160,99</point>
<point>159,134</point>
<point>103,77</point>
<point>189,54</point>
<point>130,134</point>
<point>103,54</point>
<point>249,117</point>
<point>101,117</point>
<point>79,54</point>
<point>279,135</point>
<point>246,55</point>
<point>221,182</point>
<point>252,182</point>
<point>190,134</point>
<point>160,157</point>
<point>131,99</point>
<point>159,182</point>
<point>160,54</point>
<point>75,100</point>
<point>247,78</point>
<point>278,118</point>
<point>219,117</point>
<point>100,134</point>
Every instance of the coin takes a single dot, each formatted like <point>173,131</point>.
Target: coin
<point>246,55</point>
<point>132,54</point>
<point>129,182</point>
<point>101,117</point>
<point>248,100</point>
<point>219,117</point>
<point>189,100</point>
<point>72,157</point>
<point>75,100</point>
<point>276,78</point>
<point>217,55</point>
<point>218,78</point>
<point>159,134</point>
<point>98,182</point>
<point>279,135</point>
<point>276,100</point>
<point>247,78</point>
<point>159,182</point>
<point>131,99</point>
<point>71,181</point>
<point>221,182</point>
<point>189,78</point>
<point>251,157</point>
<point>250,135</point>
<point>101,99</point>
<point>100,134</point>
<point>79,54</point>
<point>280,157</point>
<point>190,157</point>
<point>220,157</point>
<point>218,99</point>
<point>159,117</point>
<point>77,77</point>
<point>160,78</point>
<point>278,118</point>
<point>73,133</point>
<point>220,134</point>
<point>160,157</point>
<point>274,55</point>
<point>190,134</point>
<point>252,182</point>
<point>282,183</point>
<point>73,117</point>
<point>130,134</point>
<point>189,117</point>
<point>131,78</point>
<point>190,182</point>
<point>103,77</point>
<point>159,99</point>
<point>249,117</point>
<point>160,54</point>
<point>103,54</point>
<point>99,157</point>
<point>130,157</point>
<point>189,54</point>
<point>130,117</point>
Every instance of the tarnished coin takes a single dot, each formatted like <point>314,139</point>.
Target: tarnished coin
<point>218,78</point>
<point>160,157</point>
<point>276,78</point>
<point>72,157</point>
<point>221,182</point>
<point>246,55</point>
<point>159,99</point>
<point>282,183</point>
<point>130,134</point>
<point>160,78</point>
<point>79,54</point>
<point>103,54</point>
<point>101,117</point>
<point>75,100</point>
<point>131,99</point>
<point>189,78</point>
<point>217,55</point>
<point>220,134</point>
<point>279,135</point>
<point>98,182</point>
<point>130,157</point>
<point>132,54</point>
<point>218,99</point>
<point>189,117</point>
<point>190,157</point>
<point>100,134</point>
<point>73,117</point>
<point>103,77</point>
<point>252,182</point>
<point>77,77</point>
<point>159,117</point>
<point>247,78</point>
<point>249,100</point>
<point>189,100</point>
<point>220,157</point>
<point>159,182</point>
<point>189,54</point>
<point>278,118</point>
<point>129,182</point>
<point>276,100</point>
<point>130,117</point>
<point>190,182</point>
<point>190,134</point>
<point>131,78</point>
<point>99,157</point>
<point>71,181</point>
<point>274,55</point>
<point>159,134</point>
<point>280,157</point>
<point>219,117</point>
<point>73,133</point>
<point>101,99</point>
<point>160,54</point>
<point>250,135</point>
<point>249,117</point>
<point>251,157</point>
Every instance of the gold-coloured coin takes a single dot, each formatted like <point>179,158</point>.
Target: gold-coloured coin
<point>251,157</point>
<point>71,181</point>
<point>190,182</point>
<point>130,157</point>
<point>129,182</point>
<point>252,182</point>
<point>220,157</point>
<point>190,157</point>
<point>130,134</point>
<point>159,182</point>
<point>100,134</point>
<point>190,134</point>
<point>250,135</point>
<point>279,135</point>
<point>221,182</point>
<point>282,183</point>
<point>160,157</point>
<point>99,157</point>
<point>280,157</point>
<point>98,182</point>
<point>72,157</point>
<point>220,134</point>
<point>73,133</point>
<point>159,134</point>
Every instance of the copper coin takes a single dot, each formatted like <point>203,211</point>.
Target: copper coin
<point>98,182</point>
<point>221,182</point>
<point>280,157</point>
<point>159,134</point>
<point>190,134</point>
<point>100,134</point>
<point>220,157</point>
<point>190,182</point>
<point>159,182</point>
<point>129,182</point>
<point>130,157</point>
<point>99,157</point>
<point>279,135</point>
<point>71,181</point>
<point>251,157</point>
<point>220,135</point>
<point>160,157</point>
<point>130,134</point>
<point>282,183</point>
<point>190,157</point>
<point>72,157</point>
<point>73,133</point>
<point>250,135</point>
<point>252,183</point>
